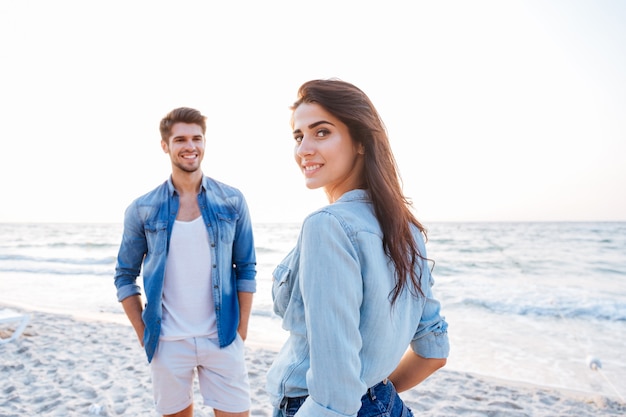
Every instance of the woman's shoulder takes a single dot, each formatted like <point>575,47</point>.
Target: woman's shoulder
<point>350,216</point>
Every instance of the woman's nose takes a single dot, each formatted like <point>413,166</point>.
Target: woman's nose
<point>304,148</point>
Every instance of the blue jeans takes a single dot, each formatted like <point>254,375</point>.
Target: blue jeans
<point>381,400</point>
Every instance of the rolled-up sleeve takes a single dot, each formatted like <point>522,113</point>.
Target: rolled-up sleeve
<point>431,337</point>
<point>130,256</point>
<point>244,255</point>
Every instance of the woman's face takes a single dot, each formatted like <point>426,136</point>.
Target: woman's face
<point>325,151</point>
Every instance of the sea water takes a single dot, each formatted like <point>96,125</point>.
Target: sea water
<point>531,302</point>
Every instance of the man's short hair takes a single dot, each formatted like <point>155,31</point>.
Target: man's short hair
<point>181,115</point>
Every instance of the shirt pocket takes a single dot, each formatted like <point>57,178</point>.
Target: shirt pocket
<point>156,237</point>
<point>227,224</point>
<point>282,286</point>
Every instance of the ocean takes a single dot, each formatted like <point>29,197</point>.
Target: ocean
<point>541,303</point>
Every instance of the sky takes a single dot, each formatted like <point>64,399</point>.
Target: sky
<point>496,110</point>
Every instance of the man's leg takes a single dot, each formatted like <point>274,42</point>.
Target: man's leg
<point>219,413</point>
<point>223,378</point>
<point>172,370</point>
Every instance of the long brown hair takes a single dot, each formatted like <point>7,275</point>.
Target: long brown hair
<point>349,104</point>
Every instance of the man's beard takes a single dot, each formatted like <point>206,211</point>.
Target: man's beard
<point>187,168</point>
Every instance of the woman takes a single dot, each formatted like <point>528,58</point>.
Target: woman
<point>355,292</point>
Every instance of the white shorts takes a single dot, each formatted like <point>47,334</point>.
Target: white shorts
<point>222,375</point>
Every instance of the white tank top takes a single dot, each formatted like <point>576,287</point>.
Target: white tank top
<point>188,305</point>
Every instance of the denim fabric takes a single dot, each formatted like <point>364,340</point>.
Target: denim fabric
<point>148,223</point>
<point>332,292</point>
<point>289,407</point>
<point>382,400</point>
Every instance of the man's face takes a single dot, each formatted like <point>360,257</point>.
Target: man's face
<point>185,146</point>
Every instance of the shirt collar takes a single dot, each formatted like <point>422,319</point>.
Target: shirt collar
<point>172,190</point>
<point>354,195</point>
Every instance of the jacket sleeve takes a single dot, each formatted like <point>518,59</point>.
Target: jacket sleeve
<point>130,256</point>
<point>332,292</point>
<point>431,337</point>
<point>244,255</point>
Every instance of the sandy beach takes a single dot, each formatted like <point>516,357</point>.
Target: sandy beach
<point>64,365</point>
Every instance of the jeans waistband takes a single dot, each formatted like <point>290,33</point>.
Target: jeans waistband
<point>290,402</point>
<point>371,391</point>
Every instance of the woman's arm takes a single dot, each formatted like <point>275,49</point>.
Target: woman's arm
<point>430,339</point>
<point>331,287</point>
<point>413,369</point>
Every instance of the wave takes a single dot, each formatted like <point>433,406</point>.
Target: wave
<point>260,250</point>
<point>58,271</point>
<point>97,266</point>
<point>107,260</point>
<point>604,311</point>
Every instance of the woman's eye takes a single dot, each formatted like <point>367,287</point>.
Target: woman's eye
<point>322,132</point>
<point>298,138</point>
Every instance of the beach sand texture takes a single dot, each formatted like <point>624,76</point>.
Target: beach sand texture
<point>68,366</point>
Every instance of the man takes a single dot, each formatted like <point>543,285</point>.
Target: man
<point>193,237</point>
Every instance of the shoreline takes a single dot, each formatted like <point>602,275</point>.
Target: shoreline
<point>69,364</point>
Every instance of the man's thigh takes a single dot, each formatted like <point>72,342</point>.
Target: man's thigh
<point>223,376</point>
<point>172,369</point>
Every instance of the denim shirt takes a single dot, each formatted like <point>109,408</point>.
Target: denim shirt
<point>332,291</point>
<point>148,223</point>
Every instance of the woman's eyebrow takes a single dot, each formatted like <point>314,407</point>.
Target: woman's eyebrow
<point>314,125</point>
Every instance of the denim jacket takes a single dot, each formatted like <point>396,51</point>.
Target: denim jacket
<point>148,223</point>
<point>332,291</point>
